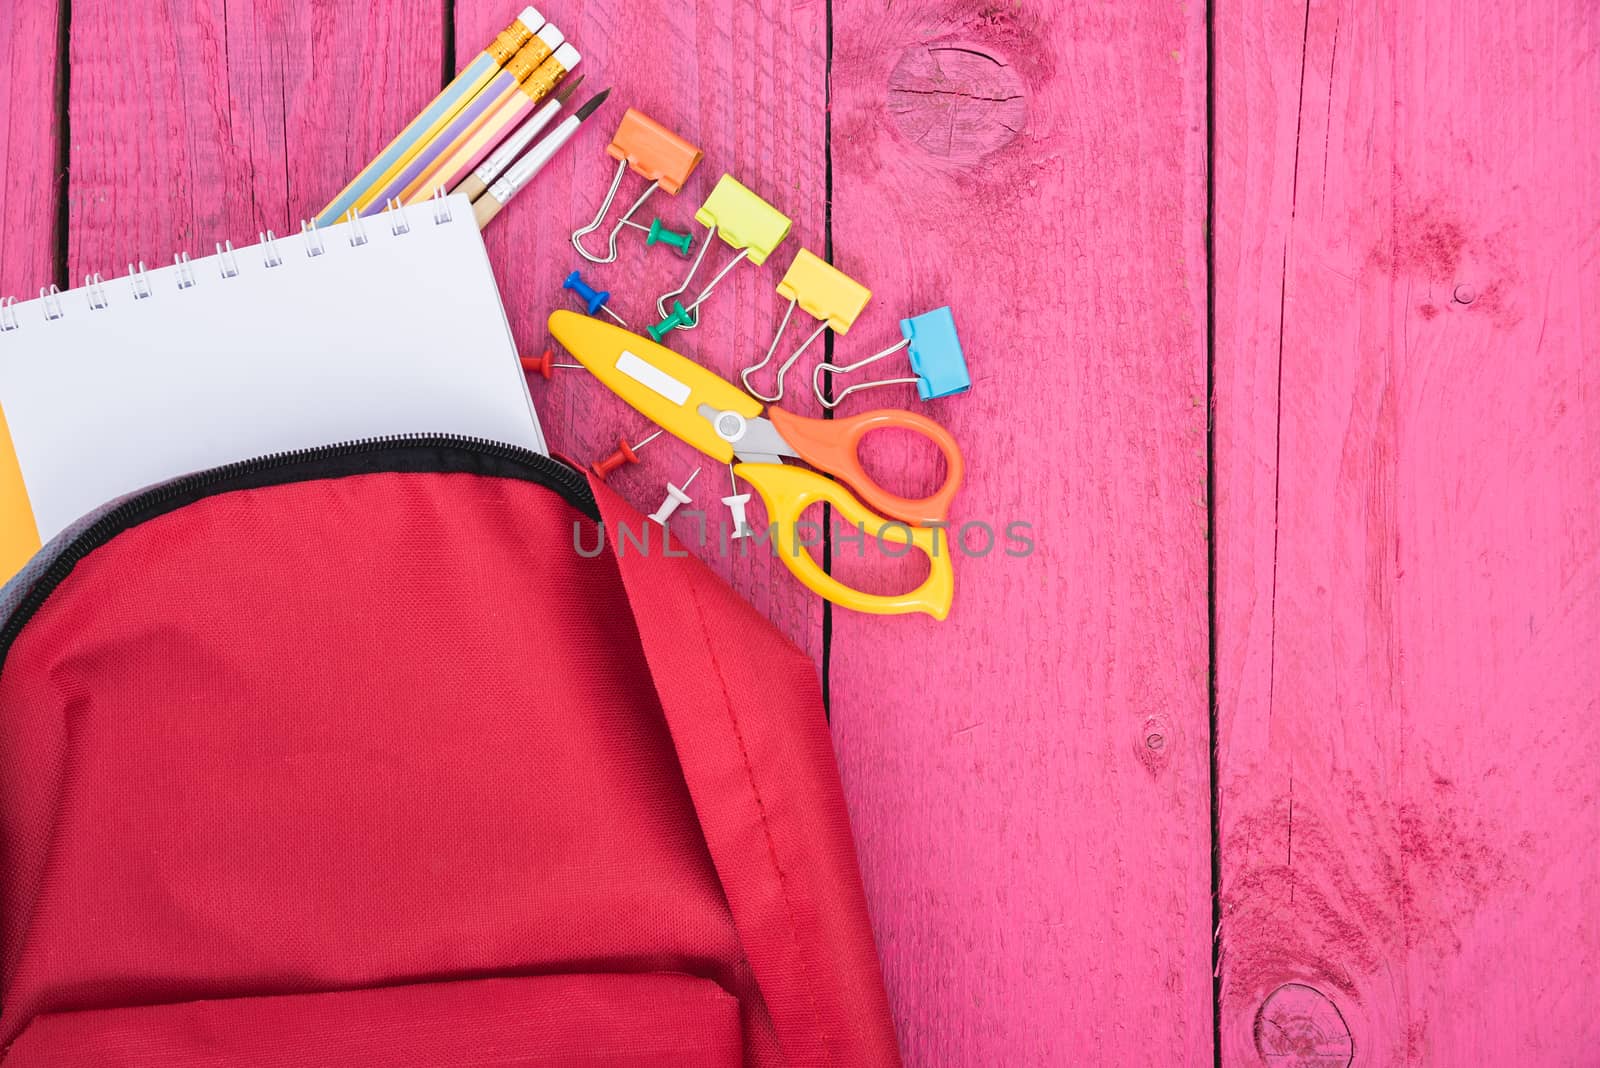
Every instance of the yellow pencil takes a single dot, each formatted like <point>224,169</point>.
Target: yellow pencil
<point>425,126</point>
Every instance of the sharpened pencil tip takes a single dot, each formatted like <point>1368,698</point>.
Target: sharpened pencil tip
<point>564,94</point>
<point>592,104</point>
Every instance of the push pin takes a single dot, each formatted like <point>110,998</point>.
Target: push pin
<point>660,235</point>
<point>744,222</point>
<point>542,364</point>
<point>678,317</point>
<point>827,294</point>
<point>939,365</point>
<point>625,454</point>
<point>736,503</point>
<point>593,299</point>
<point>677,497</point>
<point>652,151</point>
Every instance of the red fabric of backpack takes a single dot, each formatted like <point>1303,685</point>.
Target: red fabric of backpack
<point>352,758</point>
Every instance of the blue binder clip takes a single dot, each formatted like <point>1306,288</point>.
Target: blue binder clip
<point>937,360</point>
<point>593,299</point>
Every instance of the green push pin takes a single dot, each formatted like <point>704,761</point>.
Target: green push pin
<point>679,317</point>
<point>660,235</point>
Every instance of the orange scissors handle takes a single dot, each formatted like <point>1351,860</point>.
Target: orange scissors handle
<point>834,446</point>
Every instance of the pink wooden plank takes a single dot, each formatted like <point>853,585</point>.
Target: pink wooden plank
<point>695,69</point>
<point>1408,518</point>
<point>28,147</point>
<point>1028,780</point>
<point>207,121</point>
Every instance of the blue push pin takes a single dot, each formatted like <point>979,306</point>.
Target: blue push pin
<point>594,299</point>
<point>939,364</point>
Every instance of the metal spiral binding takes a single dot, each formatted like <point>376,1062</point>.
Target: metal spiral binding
<point>227,262</point>
<point>139,281</point>
<point>399,221</point>
<point>270,256</point>
<point>141,287</point>
<point>95,286</point>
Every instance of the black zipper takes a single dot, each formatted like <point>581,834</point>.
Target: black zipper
<point>400,453</point>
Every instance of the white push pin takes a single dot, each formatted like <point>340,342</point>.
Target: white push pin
<point>736,504</point>
<point>677,497</point>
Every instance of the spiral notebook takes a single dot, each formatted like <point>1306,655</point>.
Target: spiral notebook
<point>390,325</point>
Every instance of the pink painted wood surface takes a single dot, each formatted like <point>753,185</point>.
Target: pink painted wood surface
<point>1406,471</point>
<point>209,122</point>
<point>1408,510</point>
<point>1028,780</point>
<point>690,67</point>
<point>28,147</point>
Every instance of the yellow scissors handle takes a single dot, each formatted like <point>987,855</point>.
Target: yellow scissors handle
<point>789,491</point>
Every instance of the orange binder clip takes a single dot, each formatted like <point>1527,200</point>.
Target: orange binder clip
<point>651,151</point>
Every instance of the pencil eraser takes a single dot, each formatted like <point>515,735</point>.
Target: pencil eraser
<point>551,36</point>
<point>531,18</point>
<point>567,56</point>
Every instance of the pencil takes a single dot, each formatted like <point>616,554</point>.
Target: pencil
<point>434,117</point>
<point>457,162</point>
<point>501,87</point>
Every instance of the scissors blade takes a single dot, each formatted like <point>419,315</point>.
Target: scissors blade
<point>754,440</point>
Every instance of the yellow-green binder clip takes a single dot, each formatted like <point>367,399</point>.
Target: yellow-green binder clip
<point>744,222</point>
<point>826,294</point>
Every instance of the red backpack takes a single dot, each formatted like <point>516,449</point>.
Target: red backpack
<point>363,756</point>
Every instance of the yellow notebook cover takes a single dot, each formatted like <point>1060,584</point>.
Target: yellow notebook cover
<point>19,535</point>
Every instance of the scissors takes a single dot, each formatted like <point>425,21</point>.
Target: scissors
<point>723,422</point>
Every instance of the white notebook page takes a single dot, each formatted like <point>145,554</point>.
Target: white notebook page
<point>404,334</point>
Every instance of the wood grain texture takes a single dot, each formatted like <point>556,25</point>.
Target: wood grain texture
<point>1028,779</point>
<point>28,147</point>
<point>195,121</point>
<point>1408,519</point>
<point>744,80</point>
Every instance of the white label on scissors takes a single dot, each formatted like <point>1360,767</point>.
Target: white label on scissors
<point>652,377</point>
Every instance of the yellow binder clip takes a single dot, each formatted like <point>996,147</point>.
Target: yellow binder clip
<point>745,222</point>
<point>826,294</point>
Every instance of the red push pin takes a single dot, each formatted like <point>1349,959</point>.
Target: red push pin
<point>542,364</point>
<point>625,454</point>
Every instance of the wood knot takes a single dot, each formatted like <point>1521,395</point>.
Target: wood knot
<point>956,101</point>
<point>1153,744</point>
<point>1299,1027</point>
